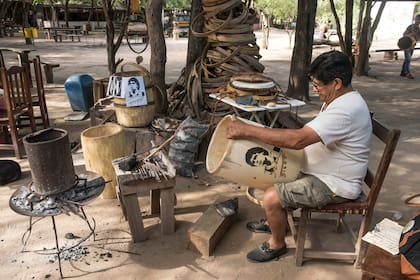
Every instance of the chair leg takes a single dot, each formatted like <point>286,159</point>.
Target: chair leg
<point>338,226</point>
<point>291,225</point>
<point>358,248</point>
<point>301,236</point>
<point>14,135</point>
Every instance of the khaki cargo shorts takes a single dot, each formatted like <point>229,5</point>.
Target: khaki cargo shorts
<point>306,191</point>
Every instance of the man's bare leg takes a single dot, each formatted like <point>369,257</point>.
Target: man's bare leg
<point>276,217</point>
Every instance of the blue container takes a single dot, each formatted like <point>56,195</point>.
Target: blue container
<point>79,91</point>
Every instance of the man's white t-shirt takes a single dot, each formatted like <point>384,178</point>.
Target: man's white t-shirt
<point>341,159</point>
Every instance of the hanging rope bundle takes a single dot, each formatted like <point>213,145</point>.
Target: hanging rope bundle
<point>231,49</point>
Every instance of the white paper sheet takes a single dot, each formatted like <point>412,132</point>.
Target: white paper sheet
<point>385,235</point>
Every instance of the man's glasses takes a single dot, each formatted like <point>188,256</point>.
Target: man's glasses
<point>317,86</point>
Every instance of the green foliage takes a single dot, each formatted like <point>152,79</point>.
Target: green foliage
<point>174,4</point>
<point>279,9</point>
<point>284,10</point>
<point>78,2</point>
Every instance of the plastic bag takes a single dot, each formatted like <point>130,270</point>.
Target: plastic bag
<point>184,147</point>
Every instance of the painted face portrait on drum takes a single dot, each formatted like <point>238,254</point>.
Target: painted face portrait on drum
<point>258,156</point>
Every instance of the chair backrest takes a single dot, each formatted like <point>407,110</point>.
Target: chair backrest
<point>375,180</point>
<point>38,72</point>
<point>16,88</point>
<point>39,82</point>
<point>2,60</point>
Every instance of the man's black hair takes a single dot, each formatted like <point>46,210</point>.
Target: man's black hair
<point>331,65</point>
<point>135,81</point>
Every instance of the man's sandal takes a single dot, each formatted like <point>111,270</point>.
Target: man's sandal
<point>259,226</point>
<point>264,254</point>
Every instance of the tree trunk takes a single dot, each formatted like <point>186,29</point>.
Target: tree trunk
<point>366,36</point>
<point>377,19</point>
<point>302,52</point>
<point>348,40</point>
<point>66,13</point>
<point>113,45</point>
<point>360,20</point>
<point>157,51</point>
<point>337,22</point>
<point>362,65</point>
<point>195,44</point>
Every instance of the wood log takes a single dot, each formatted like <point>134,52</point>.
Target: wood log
<point>209,230</point>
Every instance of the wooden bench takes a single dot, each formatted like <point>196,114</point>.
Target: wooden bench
<point>66,34</point>
<point>72,36</point>
<point>391,54</point>
<point>162,199</point>
<point>48,70</point>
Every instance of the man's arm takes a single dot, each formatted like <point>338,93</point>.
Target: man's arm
<point>279,137</point>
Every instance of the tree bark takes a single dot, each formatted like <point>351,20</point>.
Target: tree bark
<point>157,51</point>
<point>302,52</point>
<point>113,45</point>
<point>360,20</point>
<point>362,66</point>
<point>66,12</point>
<point>337,22</point>
<point>377,19</point>
<point>195,44</point>
<point>348,40</point>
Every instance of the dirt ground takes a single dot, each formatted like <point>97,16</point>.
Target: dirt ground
<point>112,255</point>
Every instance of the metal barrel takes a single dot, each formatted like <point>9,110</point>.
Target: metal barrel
<point>50,160</point>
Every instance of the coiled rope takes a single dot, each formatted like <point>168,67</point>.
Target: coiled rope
<point>231,49</point>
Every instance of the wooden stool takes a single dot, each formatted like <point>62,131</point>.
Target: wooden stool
<point>381,265</point>
<point>163,191</point>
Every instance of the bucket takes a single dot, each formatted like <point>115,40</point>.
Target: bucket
<point>251,163</point>
<point>102,144</point>
<point>49,157</point>
<point>137,116</point>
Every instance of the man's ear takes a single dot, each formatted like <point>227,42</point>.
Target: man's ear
<point>338,83</point>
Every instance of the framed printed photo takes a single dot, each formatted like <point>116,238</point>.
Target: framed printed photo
<point>114,87</point>
<point>134,91</point>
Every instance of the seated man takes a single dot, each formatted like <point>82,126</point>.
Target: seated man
<point>336,143</point>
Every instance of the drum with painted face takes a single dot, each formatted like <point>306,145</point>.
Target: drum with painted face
<point>251,163</point>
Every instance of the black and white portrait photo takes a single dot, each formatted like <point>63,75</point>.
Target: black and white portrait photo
<point>134,91</point>
<point>114,86</point>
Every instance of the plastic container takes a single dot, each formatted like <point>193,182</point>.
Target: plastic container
<point>251,163</point>
<point>102,144</point>
<point>79,91</point>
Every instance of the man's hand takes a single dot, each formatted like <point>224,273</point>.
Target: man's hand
<point>236,128</point>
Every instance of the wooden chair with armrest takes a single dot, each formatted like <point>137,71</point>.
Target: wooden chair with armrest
<point>363,206</point>
<point>17,100</point>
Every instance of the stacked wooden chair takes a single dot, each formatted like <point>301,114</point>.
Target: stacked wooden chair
<point>16,103</point>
